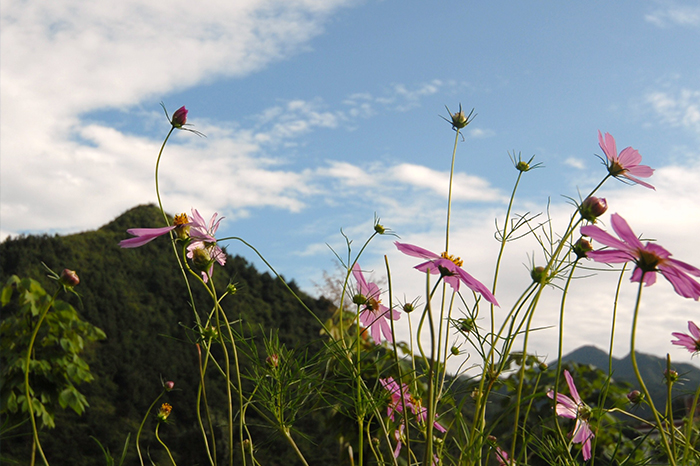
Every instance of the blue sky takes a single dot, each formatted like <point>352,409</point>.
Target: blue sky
<point>321,113</point>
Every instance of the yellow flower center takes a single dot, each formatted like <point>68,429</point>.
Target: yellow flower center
<point>165,410</point>
<point>456,260</point>
<point>181,219</point>
<point>372,304</point>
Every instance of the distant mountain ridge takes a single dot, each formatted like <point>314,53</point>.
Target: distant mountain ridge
<point>650,367</point>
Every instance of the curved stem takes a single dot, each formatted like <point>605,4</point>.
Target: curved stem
<point>633,357</point>
<point>164,445</point>
<point>449,192</point>
<point>138,434</point>
<point>27,390</point>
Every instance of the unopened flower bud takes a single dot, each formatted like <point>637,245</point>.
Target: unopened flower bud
<point>491,438</point>
<point>592,208</point>
<point>635,396</point>
<point>273,361</point>
<point>542,366</point>
<point>201,259</point>
<point>522,166</point>
<point>539,275</point>
<point>455,351</point>
<point>582,247</point>
<point>466,325</point>
<point>671,376</point>
<point>231,288</point>
<point>247,445</point>
<point>359,299</point>
<point>408,308</point>
<point>179,117</point>
<point>169,385</point>
<point>69,278</point>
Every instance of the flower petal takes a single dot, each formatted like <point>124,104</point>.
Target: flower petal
<point>415,251</point>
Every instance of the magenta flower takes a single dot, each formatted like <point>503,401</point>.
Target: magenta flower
<point>650,258</point>
<point>202,235</point>
<point>448,266</point>
<point>374,315</point>
<point>400,396</point>
<point>503,458</point>
<point>692,341</point>
<point>179,117</point>
<point>575,409</point>
<point>143,236</point>
<point>626,164</point>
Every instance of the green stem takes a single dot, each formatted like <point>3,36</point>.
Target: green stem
<point>449,192</point>
<point>164,445</point>
<point>633,357</point>
<point>138,434</point>
<point>27,390</point>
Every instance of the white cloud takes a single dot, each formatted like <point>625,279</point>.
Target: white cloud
<point>681,15</point>
<point>677,109</point>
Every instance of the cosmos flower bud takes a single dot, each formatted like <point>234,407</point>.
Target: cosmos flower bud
<point>539,275</point>
<point>466,325</point>
<point>592,208</point>
<point>169,385</point>
<point>69,278</point>
<point>455,351</point>
<point>201,259</point>
<point>522,166</point>
<point>359,299</point>
<point>408,308</point>
<point>179,117</point>
<point>635,397</point>
<point>582,247</point>
<point>273,361</point>
<point>671,376</point>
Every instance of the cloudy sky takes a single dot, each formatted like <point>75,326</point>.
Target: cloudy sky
<point>320,114</point>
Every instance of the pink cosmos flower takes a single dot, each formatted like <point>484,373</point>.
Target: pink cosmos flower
<point>202,235</point>
<point>692,341</point>
<point>650,258</point>
<point>503,458</point>
<point>399,393</point>
<point>575,409</point>
<point>626,164</point>
<point>374,315</point>
<point>146,235</point>
<point>448,266</point>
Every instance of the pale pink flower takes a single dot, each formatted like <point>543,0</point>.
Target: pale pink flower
<point>400,396</point>
<point>202,235</point>
<point>690,342</point>
<point>374,315</point>
<point>448,266</point>
<point>626,164</point>
<point>575,409</point>
<point>650,258</point>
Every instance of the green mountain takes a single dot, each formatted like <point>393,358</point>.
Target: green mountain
<point>138,298</point>
<point>650,367</point>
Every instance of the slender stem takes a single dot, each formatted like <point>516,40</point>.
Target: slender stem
<point>138,434</point>
<point>633,357</point>
<point>449,192</point>
<point>164,445</point>
<point>27,390</point>
<point>160,153</point>
<point>428,457</point>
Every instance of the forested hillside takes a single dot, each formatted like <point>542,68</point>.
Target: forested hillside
<point>138,298</point>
